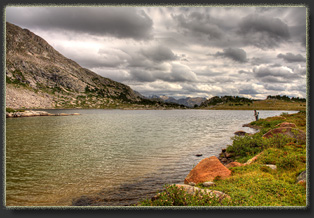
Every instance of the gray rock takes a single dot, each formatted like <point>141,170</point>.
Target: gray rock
<point>192,183</point>
<point>208,184</point>
<point>302,176</point>
<point>271,166</point>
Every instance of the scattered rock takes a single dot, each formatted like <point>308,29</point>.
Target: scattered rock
<point>234,164</point>
<point>240,133</point>
<point>207,170</point>
<point>208,184</point>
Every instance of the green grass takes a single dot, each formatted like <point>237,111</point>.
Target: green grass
<point>268,104</point>
<point>11,110</point>
<point>254,184</point>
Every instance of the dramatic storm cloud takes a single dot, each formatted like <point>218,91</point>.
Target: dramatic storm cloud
<point>181,51</point>
<point>289,57</point>
<point>111,21</point>
<point>235,54</point>
<point>264,32</point>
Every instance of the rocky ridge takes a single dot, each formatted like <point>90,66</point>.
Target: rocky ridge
<point>38,76</point>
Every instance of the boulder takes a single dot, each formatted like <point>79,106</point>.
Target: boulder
<point>288,131</point>
<point>286,124</point>
<point>191,190</point>
<point>207,170</point>
<point>234,164</point>
<point>240,133</point>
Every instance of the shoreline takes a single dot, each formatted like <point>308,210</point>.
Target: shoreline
<point>229,161</point>
<point>31,113</point>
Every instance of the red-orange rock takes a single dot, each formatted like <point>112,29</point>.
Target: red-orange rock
<point>206,170</point>
<point>253,159</point>
<point>234,164</point>
<point>286,124</point>
<point>289,131</point>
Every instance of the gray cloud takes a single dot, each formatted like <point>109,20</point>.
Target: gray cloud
<point>159,54</point>
<point>176,73</point>
<point>120,22</point>
<point>198,24</point>
<point>248,91</point>
<point>236,54</point>
<point>289,57</point>
<point>275,75</point>
<point>263,32</point>
<point>274,87</point>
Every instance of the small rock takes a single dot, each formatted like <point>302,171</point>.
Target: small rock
<point>228,155</point>
<point>271,166</point>
<point>198,155</point>
<point>240,133</point>
<point>208,184</point>
<point>192,184</point>
<point>234,164</point>
<point>302,176</point>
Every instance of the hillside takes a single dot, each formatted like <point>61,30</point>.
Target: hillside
<point>240,103</point>
<point>38,76</point>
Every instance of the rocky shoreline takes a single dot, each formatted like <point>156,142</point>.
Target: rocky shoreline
<point>208,170</point>
<point>31,113</point>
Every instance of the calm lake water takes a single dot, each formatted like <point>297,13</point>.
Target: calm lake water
<point>122,156</point>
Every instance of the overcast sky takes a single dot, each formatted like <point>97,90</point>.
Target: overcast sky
<point>181,51</point>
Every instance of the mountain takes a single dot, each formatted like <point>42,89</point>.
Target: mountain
<point>188,102</point>
<point>38,76</point>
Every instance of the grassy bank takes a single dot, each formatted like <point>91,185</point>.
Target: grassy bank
<point>268,104</point>
<point>255,184</point>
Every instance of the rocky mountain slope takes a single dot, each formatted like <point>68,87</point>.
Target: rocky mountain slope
<point>38,76</point>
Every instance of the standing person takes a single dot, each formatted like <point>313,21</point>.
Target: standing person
<point>256,115</point>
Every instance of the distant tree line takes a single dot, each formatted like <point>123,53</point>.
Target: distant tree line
<point>286,98</point>
<point>224,99</point>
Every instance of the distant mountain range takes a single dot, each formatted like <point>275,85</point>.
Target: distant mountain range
<point>38,76</point>
<point>188,102</point>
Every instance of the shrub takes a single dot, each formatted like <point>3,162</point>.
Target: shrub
<point>288,162</point>
<point>174,196</point>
